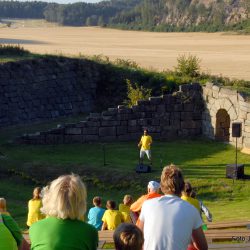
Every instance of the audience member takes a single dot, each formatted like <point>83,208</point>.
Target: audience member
<point>34,206</point>
<point>153,192</point>
<point>112,218</point>
<point>96,213</point>
<point>127,236</point>
<point>64,204</point>
<point>10,234</point>
<point>168,222</point>
<point>124,208</point>
<point>186,196</point>
<point>3,207</point>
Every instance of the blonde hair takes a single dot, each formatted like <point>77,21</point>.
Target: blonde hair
<point>172,181</point>
<point>37,193</point>
<point>128,237</point>
<point>3,207</point>
<point>65,198</point>
<point>127,200</point>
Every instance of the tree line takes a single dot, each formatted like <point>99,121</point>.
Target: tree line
<point>152,15</point>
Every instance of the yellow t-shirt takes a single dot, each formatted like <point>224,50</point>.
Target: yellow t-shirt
<point>125,210</point>
<point>34,213</point>
<point>113,218</point>
<point>146,140</point>
<point>192,201</point>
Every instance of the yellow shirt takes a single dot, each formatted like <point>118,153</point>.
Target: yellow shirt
<point>34,213</point>
<point>146,140</point>
<point>192,201</point>
<point>113,218</point>
<point>125,210</point>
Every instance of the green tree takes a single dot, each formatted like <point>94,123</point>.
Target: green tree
<point>135,93</point>
<point>188,65</point>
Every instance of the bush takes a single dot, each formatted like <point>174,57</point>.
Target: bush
<point>188,65</point>
<point>135,93</point>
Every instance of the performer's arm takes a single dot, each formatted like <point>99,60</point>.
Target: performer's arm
<point>140,142</point>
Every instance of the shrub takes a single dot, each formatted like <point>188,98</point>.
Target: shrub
<point>188,65</point>
<point>135,93</point>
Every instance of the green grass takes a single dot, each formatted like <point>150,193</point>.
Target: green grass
<point>202,161</point>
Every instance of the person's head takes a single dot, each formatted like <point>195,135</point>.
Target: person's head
<point>65,198</point>
<point>188,189</point>
<point>97,201</point>
<point>153,187</point>
<point>3,206</point>
<point>37,193</point>
<point>145,131</point>
<point>127,200</point>
<point>110,205</point>
<point>172,181</point>
<point>128,236</point>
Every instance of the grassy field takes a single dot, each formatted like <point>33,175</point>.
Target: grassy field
<point>203,163</point>
<point>221,53</point>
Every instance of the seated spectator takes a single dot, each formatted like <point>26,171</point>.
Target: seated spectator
<point>186,196</point>
<point>190,196</point>
<point>64,204</point>
<point>34,206</point>
<point>96,213</point>
<point>10,234</point>
<point>3,207</point>
<point>168,222</point>
<point>153,192</point>
<point>112,218</point>
<point>125,208</point>
<point>128,237</point>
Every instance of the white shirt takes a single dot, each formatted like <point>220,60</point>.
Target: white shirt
<point>168,223</point>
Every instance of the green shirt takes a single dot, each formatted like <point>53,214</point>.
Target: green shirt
<point>10,223</point>
<point>58,234</point>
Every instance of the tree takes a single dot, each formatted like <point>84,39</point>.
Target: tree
<point>188,65</point>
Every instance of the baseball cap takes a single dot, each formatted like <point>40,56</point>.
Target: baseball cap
<point>154,185</point>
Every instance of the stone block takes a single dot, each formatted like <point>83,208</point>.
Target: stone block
<point>107,131</point>
<point>191,124</point>
<point>110,123</point>
<point>74,139</point>
<point>108,138</point>
<point>108,118</point>
<point>177,108</point>
<point>125,111</point>
<point>90,138</point>
<point>155,100</point>
<point>175,124</point>
<point>168,99</point>
<point>164,121</point>
<point>90,131</point>
<point>160,108</point>
<point>133,129</point>
<point>121,130</point>
<point>124,123</point>
<point>150,108</point>
<point>155,122</point>
<point>132,123</point>
<point>247,129</point>
<point>186,116</point>
<point>73,131</point>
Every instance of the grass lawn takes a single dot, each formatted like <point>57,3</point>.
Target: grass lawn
<point>203,163</point>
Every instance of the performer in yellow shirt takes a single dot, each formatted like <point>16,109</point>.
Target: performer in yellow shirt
<point>145,143</point>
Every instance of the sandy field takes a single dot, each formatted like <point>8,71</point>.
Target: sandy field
<point>220,54</point>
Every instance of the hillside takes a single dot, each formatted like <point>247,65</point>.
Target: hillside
<point>188,15</point>
<point>154,15</point>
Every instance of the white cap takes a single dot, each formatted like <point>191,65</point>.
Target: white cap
<point>154,185</point>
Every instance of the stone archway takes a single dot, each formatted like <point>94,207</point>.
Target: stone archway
<point>222,126</point>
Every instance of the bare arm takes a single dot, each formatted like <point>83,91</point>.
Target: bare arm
<point>104,226</point>
<point>141,225</point>
<point>199,239</point>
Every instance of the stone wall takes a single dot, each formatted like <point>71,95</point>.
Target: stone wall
<point>36,90</point>
<point>234,104</point>
<point>169,116</point>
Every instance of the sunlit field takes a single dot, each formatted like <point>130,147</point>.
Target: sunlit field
<point>220,53</point>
